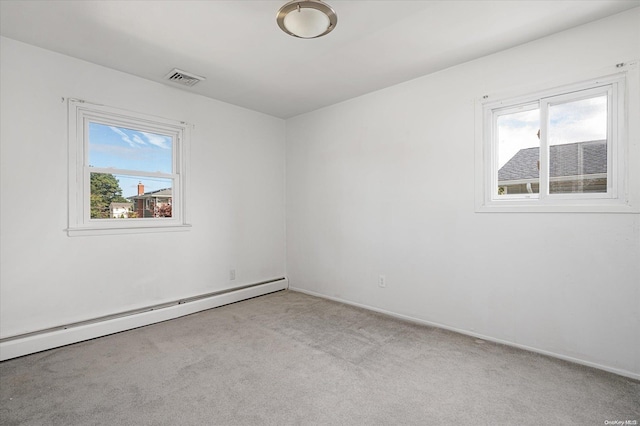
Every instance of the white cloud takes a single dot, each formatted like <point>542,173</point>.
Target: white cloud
<point>578,121</point>
<point>138,139</point>
<point>515,132</point>
<point>513,140</point>
<point>135,143</point>
<point>160,141</point>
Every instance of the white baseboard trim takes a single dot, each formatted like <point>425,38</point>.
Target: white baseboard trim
<point>618,371</point>
<point>48,339</point>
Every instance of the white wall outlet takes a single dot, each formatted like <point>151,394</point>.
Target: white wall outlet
<point>382,281</point>
<point>232,274</point>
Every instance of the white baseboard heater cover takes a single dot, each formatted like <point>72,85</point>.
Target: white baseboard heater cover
<point>28,343</point>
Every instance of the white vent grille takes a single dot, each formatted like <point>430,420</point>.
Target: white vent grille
<point>184,78</point>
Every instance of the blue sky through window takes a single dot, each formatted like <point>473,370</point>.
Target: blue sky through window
<point>122,148</point>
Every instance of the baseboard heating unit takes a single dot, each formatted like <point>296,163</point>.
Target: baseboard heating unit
<point>40,340</point>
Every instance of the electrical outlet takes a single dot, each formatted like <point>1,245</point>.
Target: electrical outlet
<point>232,274</point>
<point>382,281</point>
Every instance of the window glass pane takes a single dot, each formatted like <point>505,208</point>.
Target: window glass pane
<point>129,197</point>
<point>121,148</point>
<point>518,153</point>
<point>578,146</point>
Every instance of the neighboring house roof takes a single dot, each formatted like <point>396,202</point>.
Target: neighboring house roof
<point>159,193</point>
<point>579,158</point>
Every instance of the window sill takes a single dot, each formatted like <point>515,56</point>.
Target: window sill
<point>511,207</point>
<point>78,232</point>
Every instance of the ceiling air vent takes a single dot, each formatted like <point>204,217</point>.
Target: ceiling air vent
<point>182,77</point>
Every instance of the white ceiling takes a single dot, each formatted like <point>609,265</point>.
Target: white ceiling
<point>248,61</point>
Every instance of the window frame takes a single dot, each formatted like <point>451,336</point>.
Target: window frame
<point>81,113</point>
<point>614,109</point>
<point>500,111</point>
<point>620,88</point>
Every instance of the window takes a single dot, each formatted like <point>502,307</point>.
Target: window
<point>126,171</point>
<point>555,150</point>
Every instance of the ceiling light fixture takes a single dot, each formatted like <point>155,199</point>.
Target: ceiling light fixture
<point>307,18</point>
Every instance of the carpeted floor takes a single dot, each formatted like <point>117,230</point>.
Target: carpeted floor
<point>289,358</point>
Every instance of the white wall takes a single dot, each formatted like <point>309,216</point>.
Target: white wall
<point>236,203</point>
<point>384,184</point>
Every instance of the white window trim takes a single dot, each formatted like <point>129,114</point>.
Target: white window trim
<point>80,223</point>
<point>623,155</point>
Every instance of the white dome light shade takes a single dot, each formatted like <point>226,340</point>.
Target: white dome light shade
<point>306,23</point>
<point>306,18</point>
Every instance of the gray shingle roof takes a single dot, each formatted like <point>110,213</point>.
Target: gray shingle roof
<point>564,161</point>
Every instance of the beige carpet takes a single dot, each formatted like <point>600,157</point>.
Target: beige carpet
<point>289,358</point>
